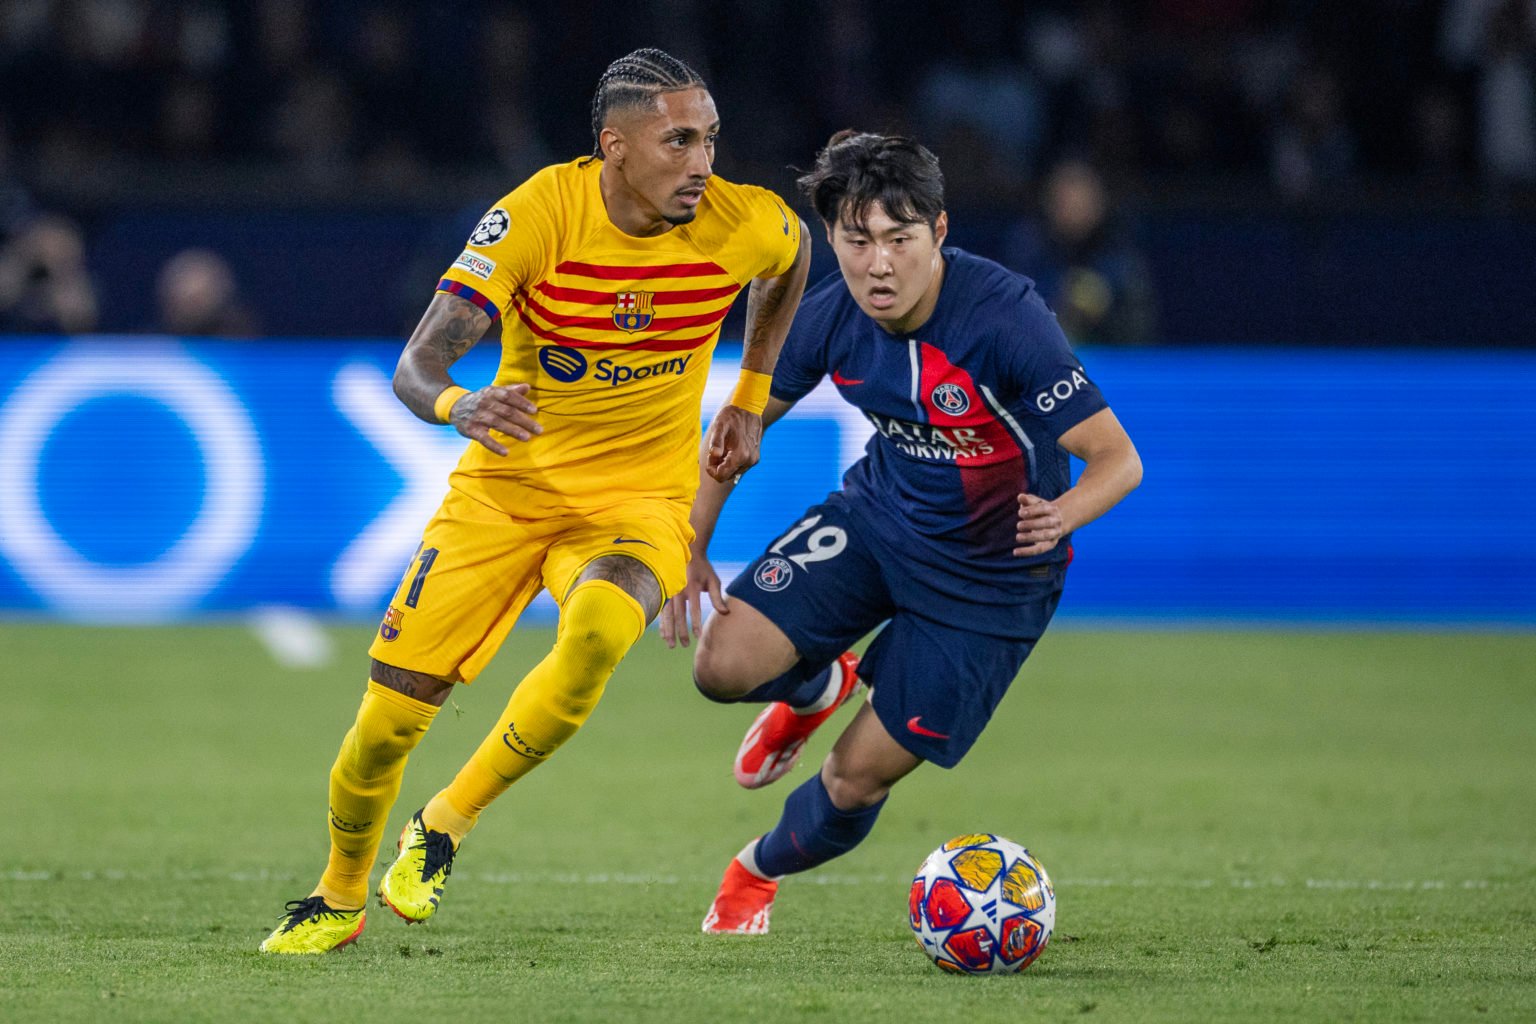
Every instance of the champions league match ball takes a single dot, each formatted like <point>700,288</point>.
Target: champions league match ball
<point>982,904</point>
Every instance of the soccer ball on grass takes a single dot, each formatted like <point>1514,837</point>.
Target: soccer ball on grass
<point>982,904</point>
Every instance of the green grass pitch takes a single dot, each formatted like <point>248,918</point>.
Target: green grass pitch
<point>1242,826</point>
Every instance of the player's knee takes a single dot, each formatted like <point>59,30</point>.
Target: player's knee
<point>712,689</point>
<point>717,677</point>
<point>385,739</point>
<point>592,653</point>
<point>851,789</point>
<point>599,625</point>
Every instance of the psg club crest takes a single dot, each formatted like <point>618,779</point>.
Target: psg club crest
<point>390,627</point>
<point>632,311</point>
<point>773,575</point>
<point>951,398</point>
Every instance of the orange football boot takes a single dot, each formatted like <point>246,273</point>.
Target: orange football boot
<point>773,743</point>
<point>742,905</point>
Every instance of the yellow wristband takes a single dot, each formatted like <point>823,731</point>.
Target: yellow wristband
<point>751,391</point>
<point>443,407</point>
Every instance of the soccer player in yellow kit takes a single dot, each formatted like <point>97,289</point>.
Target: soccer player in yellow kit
<point>610,277</point>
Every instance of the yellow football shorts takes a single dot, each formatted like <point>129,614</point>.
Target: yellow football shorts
<point>478,567</point>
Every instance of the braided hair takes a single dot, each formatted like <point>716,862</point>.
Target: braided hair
<point>634,81</point>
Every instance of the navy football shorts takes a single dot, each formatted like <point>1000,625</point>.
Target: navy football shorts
<point>935,683</point>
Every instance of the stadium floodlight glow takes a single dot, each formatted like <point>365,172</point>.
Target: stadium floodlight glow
<point>225,524</point>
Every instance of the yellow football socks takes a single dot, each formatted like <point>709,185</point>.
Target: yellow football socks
<point>364,783</point>
<point>598,624</point>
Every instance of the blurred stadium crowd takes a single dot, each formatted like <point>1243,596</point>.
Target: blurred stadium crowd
<point>1041,110</point>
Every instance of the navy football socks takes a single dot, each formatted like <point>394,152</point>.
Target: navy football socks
<point>800,687</point>
<point>812,831</point>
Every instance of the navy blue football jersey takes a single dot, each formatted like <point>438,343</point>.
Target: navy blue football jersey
<point>967,412</point>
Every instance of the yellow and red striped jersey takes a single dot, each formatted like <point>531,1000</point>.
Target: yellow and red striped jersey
<point>613,332</point>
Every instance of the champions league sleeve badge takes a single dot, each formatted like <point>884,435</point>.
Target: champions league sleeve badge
<point>492,228</point>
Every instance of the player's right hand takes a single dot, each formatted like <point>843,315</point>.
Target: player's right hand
<point>733,443</point>
<point>506,409</point>
<point>684,611</point>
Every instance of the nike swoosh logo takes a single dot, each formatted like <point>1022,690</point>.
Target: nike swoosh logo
<point>632,540</point>
<point>838,378</point>
<point>914,726</point>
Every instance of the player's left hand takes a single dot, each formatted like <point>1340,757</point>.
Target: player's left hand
<point>733,442</point>
<point>684,610</point>
<point>1040,526</point>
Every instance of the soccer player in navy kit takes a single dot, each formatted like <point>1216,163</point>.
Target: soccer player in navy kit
<point>953,530</point>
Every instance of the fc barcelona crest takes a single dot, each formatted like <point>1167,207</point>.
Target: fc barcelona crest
<point>632,311</point>
<point>390,627</point>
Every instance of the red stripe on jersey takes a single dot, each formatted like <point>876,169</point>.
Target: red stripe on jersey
<point>600,323</point>
<point>655,345</point>
<point>975,422</point>
<point>560,293</point>
<point>991,464</point>
<point>606,272</point>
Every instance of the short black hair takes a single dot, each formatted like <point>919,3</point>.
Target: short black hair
<point>858,169</point>
<point>634,81</point>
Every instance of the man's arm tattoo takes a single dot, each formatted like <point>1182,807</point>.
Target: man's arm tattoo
<point>765,297</point>
<point>453,328</point>
<point>763,300</point>
<point>450,328</point>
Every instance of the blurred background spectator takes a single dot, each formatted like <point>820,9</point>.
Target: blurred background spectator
<point>1087,268</point>
<point>1311,147</point>
<point>44,288</point>
<point>1495,41</point>
<point>196,294</point>
<point>1258,137</point>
